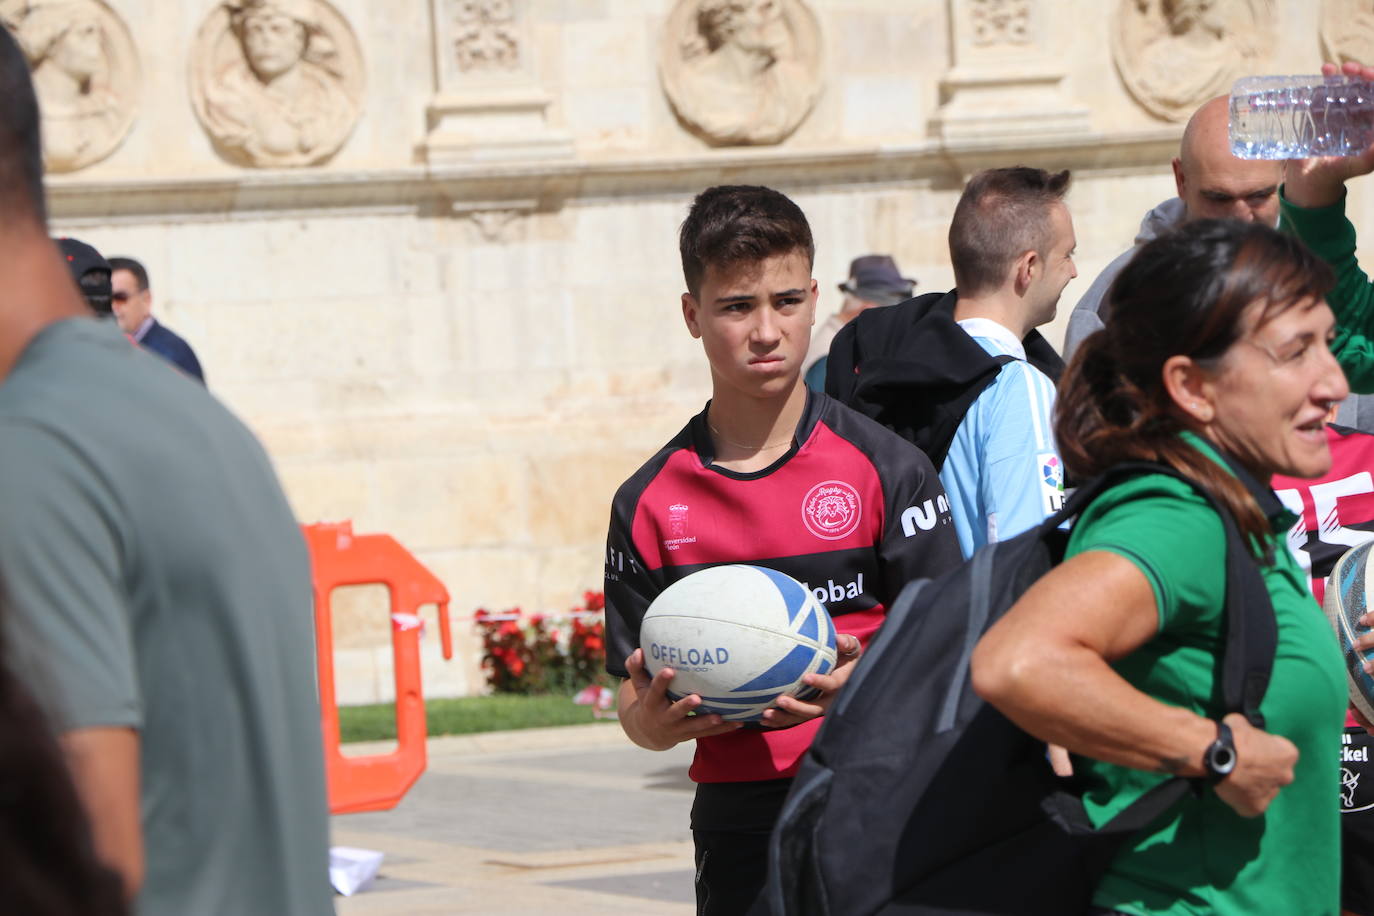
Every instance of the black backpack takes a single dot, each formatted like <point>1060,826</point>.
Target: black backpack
<point>919,798</point>
<point>911,368</point>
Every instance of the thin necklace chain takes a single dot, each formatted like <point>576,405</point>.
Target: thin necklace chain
<point>757,448</point>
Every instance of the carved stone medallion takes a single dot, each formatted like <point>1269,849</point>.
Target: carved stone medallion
<point>1173,55</point>
<point>1347,30</point>
<point>741,71</point>
<point>86,74</point>
<point>276,82</point>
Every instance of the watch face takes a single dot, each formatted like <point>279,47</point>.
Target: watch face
<point>1221,758</point>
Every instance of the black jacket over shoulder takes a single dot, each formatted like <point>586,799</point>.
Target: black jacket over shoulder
<point>913,369</point>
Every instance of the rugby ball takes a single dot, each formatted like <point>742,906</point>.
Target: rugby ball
<point>1346,602</point>
<point>739,637</point>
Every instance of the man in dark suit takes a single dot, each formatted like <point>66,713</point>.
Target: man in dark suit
<point>133,308</point>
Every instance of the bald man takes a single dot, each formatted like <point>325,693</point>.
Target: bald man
<point>1212,184</point>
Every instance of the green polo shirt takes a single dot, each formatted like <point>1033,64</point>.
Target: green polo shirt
<point>1202,857</point>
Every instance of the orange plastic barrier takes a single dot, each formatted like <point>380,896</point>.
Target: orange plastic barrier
<point>340,557</point>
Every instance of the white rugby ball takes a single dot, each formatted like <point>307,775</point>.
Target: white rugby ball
<point>738,636</point>
<point>1346,601</point>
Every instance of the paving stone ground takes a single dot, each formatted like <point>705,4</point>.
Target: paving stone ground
<point>572,820</point>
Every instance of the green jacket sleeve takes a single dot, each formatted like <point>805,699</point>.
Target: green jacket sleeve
<point>1328,232</point>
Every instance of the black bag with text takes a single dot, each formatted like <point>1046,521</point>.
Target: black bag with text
<point>919,798</point>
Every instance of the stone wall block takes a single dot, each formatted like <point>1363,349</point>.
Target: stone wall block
<point>455,502</point>
<point>570,492</point>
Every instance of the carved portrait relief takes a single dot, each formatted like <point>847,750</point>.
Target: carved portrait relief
<point>276,82</point>
<point>741,71</point>
<point>1173,55</point>
<point>85,72</point>
<point>1347,30</point>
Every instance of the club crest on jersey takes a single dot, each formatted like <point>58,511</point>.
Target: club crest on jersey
<point>831,510</point>
<point>677,520</point>
<point>678,533</point>
<point>1051,482</point>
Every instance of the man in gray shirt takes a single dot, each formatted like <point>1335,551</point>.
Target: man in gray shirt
<point>159,589</point>
<point>1211,183</point>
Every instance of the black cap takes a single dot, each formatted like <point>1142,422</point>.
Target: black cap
<point>81,259</point>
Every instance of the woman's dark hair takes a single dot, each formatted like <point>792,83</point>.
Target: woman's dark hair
<point>1185,293</point>
<point>47,856</point>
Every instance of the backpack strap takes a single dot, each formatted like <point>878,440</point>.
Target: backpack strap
<point>1251,632</point>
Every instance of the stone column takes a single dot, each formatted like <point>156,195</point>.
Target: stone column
<point>1005,79</point>
<point>488,102</point>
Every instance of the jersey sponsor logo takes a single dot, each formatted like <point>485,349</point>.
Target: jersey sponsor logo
<point>925,516</point>
<point>1352,798</point>
<point>694,657</point>
<point>677,527</point>
<point>1051,482</point>
<point>831,510</point>
<point>833,591</point>
<point>617,561</point>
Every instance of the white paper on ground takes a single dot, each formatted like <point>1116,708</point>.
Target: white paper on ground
<point>352,869</point>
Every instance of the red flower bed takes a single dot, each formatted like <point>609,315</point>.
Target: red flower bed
<point>540,654</point>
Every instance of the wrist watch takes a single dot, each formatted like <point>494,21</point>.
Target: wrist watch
<point>1220,757</point>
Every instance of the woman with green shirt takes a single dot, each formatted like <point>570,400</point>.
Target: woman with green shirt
<point>1216,361</point>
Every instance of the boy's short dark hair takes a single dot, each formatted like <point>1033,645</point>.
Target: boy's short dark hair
<point>730,225</point>
<point>21,148</point>
<point>1002,214</point>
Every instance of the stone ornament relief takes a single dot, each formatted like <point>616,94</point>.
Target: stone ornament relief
<point>1001,22</point>
<point>486,34</point>
<point>1347,30</point>
<point>276,82</point>
<point>86,74</point>
<point>741,72</point>
<point>1173,55</point>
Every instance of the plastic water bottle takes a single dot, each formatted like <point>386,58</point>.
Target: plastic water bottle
<point>1293,117</point>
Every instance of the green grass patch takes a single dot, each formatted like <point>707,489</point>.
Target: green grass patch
<point>467,715</point>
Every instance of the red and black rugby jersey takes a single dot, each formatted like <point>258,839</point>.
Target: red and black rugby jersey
<point>852,510</point>
<point>1336,509</point>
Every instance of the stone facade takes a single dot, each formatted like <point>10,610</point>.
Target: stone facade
<point>452,313</point>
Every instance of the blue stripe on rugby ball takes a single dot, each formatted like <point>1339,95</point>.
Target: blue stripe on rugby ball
<point>784,674</point>
<point>811,626</point>
<point>731,709</point>
<point>731,702</point>
<point>1346,601</point>
<point>793,595</point>
<point>830,640</point>
<point>738,701</point>
<point>751,714</point>
<point>822,665</point>
<point>1352,582</point>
